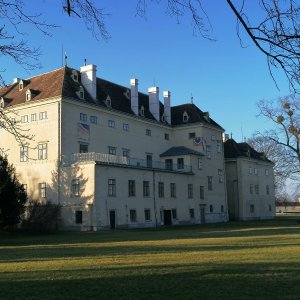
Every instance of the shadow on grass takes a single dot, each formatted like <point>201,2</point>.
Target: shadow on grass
<point>196,281</point>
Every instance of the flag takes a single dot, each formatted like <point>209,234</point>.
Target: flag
<point>84,131</point>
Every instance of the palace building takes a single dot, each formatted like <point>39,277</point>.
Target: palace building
<point>112,156</point>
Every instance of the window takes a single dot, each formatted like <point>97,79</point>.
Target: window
<point>148,132</point>
<point>256,189</point>
<point>192,135</point>
<point>211,208</point>
<point>83,148</point>
<point>33,117</point>
<point>24,153</point>
<point>132,214</point>
<point>125,127</point>
<point>185,117</point>
<point>42,190</point>
<point>219,147</point>
<point>173,190</point>
<point>200,165</point>
<point>192,213</point>
<point>146,188</point>
<point>167,136</point>
<point>112,150</point>
<point>251,188</point>
<point>78,216</point>
<point>131,188</point>
<point>255,171</point>
<point>222,208</point>
<point>147,215</point>
<point>112,187</point>
<point>108,101</point>
<point>250,170</point>
<point>174,213</point>
<point>190,191</point>
<point>180,163</point>
<point>267,190</point>
<point>149,160</point>
<point>270,207</point>
<point>24,186</point>
<point>208,152</point>
<point>252,208</point>
<point>209,183</point>
<point>142,111</point>
<point>28,95</point>
<point>42,151</point>
<point>81,92</point>
<point>111,123</point>
<point>161,190</point>
<point>24,119</point>
<point>169,164</point>
<point>220,174</point>
<point>75,187</point>
<point>43,115</point>
<point>201,192</point>
<point>267,172</point>
<point>125,152</point>
<point>83,117</point>
<point>93,119</point>
<point>21,86</point>
<point>213,137</point>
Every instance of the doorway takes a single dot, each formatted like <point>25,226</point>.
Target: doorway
<point>167,217</point>
<point>112,219</point>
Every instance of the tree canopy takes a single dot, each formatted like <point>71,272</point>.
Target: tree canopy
<point>12,195</point>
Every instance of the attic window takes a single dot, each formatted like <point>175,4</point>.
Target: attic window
<point>2,103</point>
<point>28,95</point>
<point>108,101</point>
<point>185,117</point>
<point>21,85</point>
<point>81,92</point>
<point>142,111</point>
<point>74,75</point>
<point>163,118</point>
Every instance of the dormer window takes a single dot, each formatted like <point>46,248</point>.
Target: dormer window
<point>2,102</point>
<point>163,118</point>
<point>21,85</point>
<point>81,92</point>
<point>142,111</point>
<point>74,75</point>
<point>185,117</point>
<point>108,101</point>
<point>28,95</point>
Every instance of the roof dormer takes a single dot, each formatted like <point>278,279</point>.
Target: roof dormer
<point>2,102</point>
<point>108,101</point>
<point>80,93</point>
<point>28,94</point>
<point>22,84</point>
<point>185,117</point>
<point>142,111</point>
<point>75,76</point>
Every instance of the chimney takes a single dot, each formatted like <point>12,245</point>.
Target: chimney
<point>88,79</point>
<point>17,80</point>
<point>134,96</point>
<point>154,101</point>
<point>167,109</point>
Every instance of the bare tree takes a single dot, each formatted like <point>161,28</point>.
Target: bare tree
<point>276,153</point>
<point>285,115</point>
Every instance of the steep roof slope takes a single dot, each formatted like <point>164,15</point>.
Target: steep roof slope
<point>232,149</point>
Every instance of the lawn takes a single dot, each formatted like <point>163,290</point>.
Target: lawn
<point>249,260</point>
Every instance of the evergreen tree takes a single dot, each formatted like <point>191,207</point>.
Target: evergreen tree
<point>12,195</point>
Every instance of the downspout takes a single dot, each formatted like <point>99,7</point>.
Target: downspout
<point>59,153</point>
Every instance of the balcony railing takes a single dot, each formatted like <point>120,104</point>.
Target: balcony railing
<point>125,161</point>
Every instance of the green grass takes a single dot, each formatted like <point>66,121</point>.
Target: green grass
<point>238,260</point>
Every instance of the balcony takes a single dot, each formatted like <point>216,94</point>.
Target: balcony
<point>122,161</point>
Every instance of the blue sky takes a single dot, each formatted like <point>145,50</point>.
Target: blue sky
<point>224,78</point>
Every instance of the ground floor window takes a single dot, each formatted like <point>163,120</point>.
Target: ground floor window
<point>147,215</point>
<point>252,208</point>
<point>192,213</point>
<point>222,208</point>
<point>42,190</point>
<point>132,213</point>
<point>211,208</point>
<point>78,216</point>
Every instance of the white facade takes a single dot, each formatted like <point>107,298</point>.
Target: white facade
<point>109,168</point>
